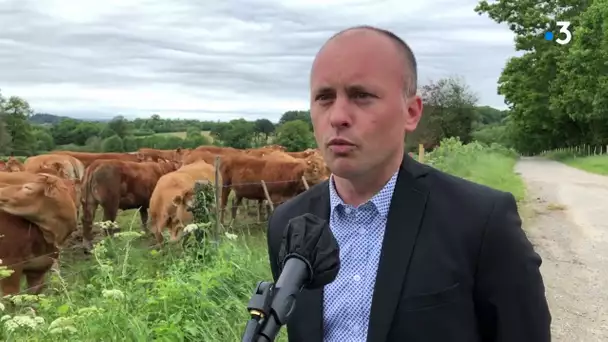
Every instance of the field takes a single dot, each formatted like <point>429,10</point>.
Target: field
<point>183,134</point>
<point>130,291</point>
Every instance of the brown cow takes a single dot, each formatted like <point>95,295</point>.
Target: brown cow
<point>25,251</point>
<point>69,167</point>
<point>88,158</point>
<point>13,165</point>
<point>117,184</point>
<point>243,174</point>
<point>153,154</point>
<point>42,199</point>
<point>168,198</point>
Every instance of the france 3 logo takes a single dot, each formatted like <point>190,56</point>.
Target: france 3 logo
<point>564,36</point>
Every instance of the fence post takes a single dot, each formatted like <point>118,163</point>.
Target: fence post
<point>218,193</point>
<point>421,153</point>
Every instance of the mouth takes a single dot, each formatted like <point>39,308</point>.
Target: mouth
<point>340,142</point>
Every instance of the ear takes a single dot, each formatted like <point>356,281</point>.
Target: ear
<point>177,200</point>
<point>57,166</point>
<point>178,150</point>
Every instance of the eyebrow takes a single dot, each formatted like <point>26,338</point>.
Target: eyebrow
<point>350,88</point>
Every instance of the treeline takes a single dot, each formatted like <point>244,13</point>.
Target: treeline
<point>450,111</point>
<point>557,94</point>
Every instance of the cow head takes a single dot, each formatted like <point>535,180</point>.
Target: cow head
<point>184,204</point>
<point>45,201</point>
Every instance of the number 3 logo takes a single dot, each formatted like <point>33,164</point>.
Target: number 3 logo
<point>564,25</point>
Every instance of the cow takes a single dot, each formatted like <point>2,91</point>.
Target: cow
<point>68,166</point>
<point>117,184</point>
<point>152,154</point>
<point>88,158</point>
<point>43,199</point>
<point>12,164</point>
<point>243,175</point>
<point>171,201</point>
<point>25,251</point>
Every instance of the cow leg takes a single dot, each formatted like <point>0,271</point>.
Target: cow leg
<point>238,201</point>
<point>143,215</point>
<point>260,205</point>
<point>88,214</point>
<point>11,284</point>
<point>109,214</point>
<point>225,194</point>
<point>35,280</point>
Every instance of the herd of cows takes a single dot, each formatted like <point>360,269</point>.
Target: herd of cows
<point>42,199</point>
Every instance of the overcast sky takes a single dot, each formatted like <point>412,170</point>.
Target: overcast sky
<point>220,59</point>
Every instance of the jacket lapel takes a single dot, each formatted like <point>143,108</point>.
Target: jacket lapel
<point>403,223</point>
<point>311,301</point>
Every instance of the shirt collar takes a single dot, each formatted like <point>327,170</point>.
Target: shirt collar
<point>381,205</point>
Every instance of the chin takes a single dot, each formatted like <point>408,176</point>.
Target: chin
<point>344,168</point>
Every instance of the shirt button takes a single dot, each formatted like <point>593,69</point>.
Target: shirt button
<point>362,231</point>
<point>357,277</point>
<point>356,328</point>
<point>347,210</point>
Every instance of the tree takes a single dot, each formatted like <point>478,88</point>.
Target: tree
<point>265,127</point>
<point>112,144</point>
<point>16,114</point>
<point>292,115</point>
<point>449,111</point>
<point>534,84</point>
<point>119,125</point>
<point>295,136</point>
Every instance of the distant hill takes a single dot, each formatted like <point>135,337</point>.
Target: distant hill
<point>51,119</point>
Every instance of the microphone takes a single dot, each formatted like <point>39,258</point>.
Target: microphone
<point>310,258</point>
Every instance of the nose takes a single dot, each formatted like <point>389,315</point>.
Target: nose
<point>340,114</point>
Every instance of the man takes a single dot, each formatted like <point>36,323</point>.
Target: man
<point>425,256</point>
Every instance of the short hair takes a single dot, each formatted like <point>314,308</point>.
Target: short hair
<point>411,80</point>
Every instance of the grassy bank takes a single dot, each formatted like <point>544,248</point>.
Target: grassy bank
<point>128,291</point>
<point>491,166</point>
<point>595,164</point>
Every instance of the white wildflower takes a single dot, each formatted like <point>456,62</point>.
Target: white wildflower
<point>230,236</point>
<point>113,293</point>
<point>190,228</point>
<point>4,318</point>
<point>2,308</point>
<point>27,322</point>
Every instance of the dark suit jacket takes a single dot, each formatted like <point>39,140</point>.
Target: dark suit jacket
<point>455,265</point>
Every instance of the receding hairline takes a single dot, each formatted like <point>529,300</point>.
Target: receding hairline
<point>411,67</point>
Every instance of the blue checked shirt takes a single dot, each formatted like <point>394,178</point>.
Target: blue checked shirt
<point>359,231</point>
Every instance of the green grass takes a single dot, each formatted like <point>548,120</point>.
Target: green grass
<point>129,291</point>
<point>183,134</point>
<point>594,164</point>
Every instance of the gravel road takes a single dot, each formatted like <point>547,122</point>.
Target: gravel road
<point>569,228</point>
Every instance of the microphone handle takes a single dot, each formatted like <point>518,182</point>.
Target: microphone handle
<point>293,276</point>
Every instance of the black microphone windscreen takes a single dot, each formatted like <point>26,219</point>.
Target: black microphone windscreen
<point>310,238</point>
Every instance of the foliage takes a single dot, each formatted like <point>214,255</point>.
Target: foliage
<point>489,165</point>
<point>448,111</point>
<point>295,136</point>
<point>556,93</point>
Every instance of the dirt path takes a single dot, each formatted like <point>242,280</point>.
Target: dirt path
<point>570,232</point>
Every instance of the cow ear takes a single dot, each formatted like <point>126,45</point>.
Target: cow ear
<point>177,200</point>
<point>58,166</point>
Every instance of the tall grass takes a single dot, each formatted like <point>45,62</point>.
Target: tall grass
<point>127,291</point>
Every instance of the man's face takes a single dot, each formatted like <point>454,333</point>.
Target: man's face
<point>358,108</point>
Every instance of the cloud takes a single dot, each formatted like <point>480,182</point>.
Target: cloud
<point>220,60</point>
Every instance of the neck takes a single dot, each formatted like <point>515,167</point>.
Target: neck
<point>358,190</point>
